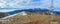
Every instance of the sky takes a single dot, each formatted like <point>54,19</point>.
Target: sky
<point>27,4</point>
<point>24,3</point>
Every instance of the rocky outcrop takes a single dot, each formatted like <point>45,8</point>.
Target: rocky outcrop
<point>3,15</point>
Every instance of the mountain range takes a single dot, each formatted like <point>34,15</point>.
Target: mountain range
<point>29,10</point>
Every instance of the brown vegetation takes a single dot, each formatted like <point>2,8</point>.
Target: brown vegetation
<point>36,18</point>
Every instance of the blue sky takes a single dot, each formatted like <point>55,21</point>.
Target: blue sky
<point>27,4</point>
<point>36,0</point>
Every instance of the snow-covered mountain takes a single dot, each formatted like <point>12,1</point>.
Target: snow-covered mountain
<point>29,10</point>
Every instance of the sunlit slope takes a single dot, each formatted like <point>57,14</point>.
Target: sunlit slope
<point>36,18</point>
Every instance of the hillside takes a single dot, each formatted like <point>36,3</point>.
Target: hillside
<point>35,18</point>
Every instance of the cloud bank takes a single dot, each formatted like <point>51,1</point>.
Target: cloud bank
<point>23,4</point>
<point>27,4</point>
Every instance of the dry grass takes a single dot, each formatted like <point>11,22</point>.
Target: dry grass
<point>34,19</point>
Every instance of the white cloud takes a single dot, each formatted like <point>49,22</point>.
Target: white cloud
<point>27,4</point>
<point>42,4</point>
<point>56,3</point>
<point>2,3</point>
<point>7,10</point>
